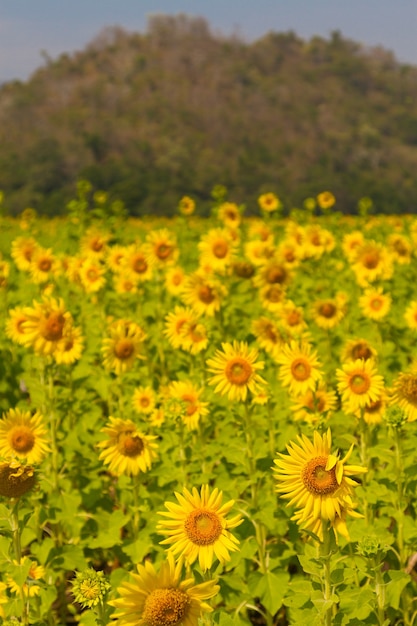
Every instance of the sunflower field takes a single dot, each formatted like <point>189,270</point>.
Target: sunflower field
<point>208,420</point>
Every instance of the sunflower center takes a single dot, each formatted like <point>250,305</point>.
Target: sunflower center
<point>220,249</point>
<point>163,250</point>
<point>359,383</point>
<point>92,274</point>
<point>53,327</point>
<point>203,527</point>
<point>45,265</point>
<point>139,265</point>
<point>124,349</point>
<point>22,439</point>
<point>274,294</point>
<point>206,294</point>
<point>374,407</point>
<point>130,445</point>
<point>275,274</point>
<point>317,479</point>
<point>238,371</point>
<point>371,260</point>
<point>408,388</point>
<point>300,369</point>
<point>165,607</point>
<point>361,351</point>
<point>96,245</point>
<point>327,310</point>
<point>293,318</point>
<point>376,304</point>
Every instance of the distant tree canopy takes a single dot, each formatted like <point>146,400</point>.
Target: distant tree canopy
<point>174,111</point>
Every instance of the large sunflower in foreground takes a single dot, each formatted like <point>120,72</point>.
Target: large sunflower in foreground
<point>235,370</point>
<point>359,384</point>
<point>127,450</point>
<point>316,481</point>
<point>197,527</point>
<point>299,368</point>
<point>162,598</point>
<point>23,435</point>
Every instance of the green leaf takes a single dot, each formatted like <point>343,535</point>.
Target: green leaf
<point>399,580</point>
<point>271,590</point>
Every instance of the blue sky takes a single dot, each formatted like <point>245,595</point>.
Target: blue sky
<point>29,26</point>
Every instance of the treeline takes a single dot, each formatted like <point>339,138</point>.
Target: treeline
<point>150,117</point>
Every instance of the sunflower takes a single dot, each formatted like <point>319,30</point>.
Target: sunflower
<point>125,282</point>
<point>358,349</point>
<point>203,294</point>
<point>373,412</point>
<point>268,334</point>
<point>45,325</point>
<point>143,400</point>
<point>312,406</point>
<point>163,598</point>
<point>291,318</point>
<point>43,266</point>
<point>94,244</point>
<point>269,202</point>
<point>372,262</point>
<point>23,435</point>
<point>162,248</point>
<point>92,275</point>
<point>404,393</point>
<point>316,481</point>
<point>123,346</point>
<point>30,588</point>
<point>15,325</point>
<point>410,315</point>
<point>136,260</point>
<point>258,251</point>
<point>16,479</point>
<point>197,528</point>
<point>235,370</point>
<point>272,297</point>
<point>194,408</point>
<point>317,241</point>
<point>299,368</point>
<point>194,337</point>
<point>375,304</point>
<point>329,313</point>
<point>186,206</point>
<point>400,248</point>
<point>115,256</point>
<point>352,242</point>
<point>175,280</point>
<point>175,322</point>
<point>359,384</point>
<point>217,249</point>
<point>127,450</point>
<point>229,214</point>
<point>22,251</point>
<point>70,347</point>
<point>272,272</point>
<point>325,200</point>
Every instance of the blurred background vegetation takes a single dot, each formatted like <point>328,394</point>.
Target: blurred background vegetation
<point>150,117</point>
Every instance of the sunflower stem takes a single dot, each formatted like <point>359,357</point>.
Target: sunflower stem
<point>251,460</point>
<point>136,511</point>
<point>15,528</point>
<point>326,554</point>
<point>396,433</point>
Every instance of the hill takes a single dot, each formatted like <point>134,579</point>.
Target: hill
<point>152,116</point>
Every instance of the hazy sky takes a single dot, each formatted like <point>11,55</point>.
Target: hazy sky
<point>29,26</point>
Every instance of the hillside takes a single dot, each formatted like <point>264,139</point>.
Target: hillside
<point>175,110</point>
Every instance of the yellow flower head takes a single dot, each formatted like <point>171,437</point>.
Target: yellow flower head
<point>197,528</point>
<point>235,370</point>
<point>127,450</point>
<point>186,206</point>
<point>23,435</point>
<point>269,202</point>
<point>16,479</point>
<point>162,598</point>
<point>359,384</point>
<point>123,346</point>
<point>404,393</point>
<point>316,481</point>
<point>299,367</point>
